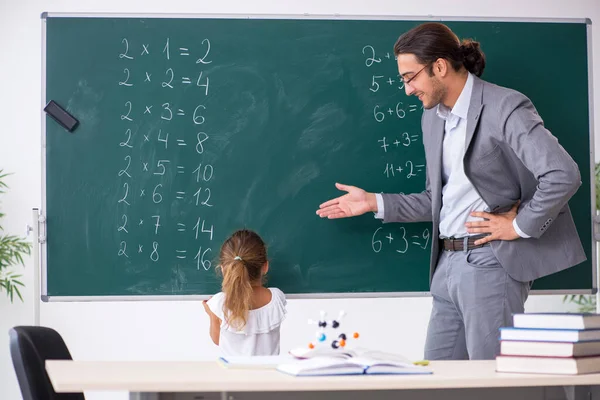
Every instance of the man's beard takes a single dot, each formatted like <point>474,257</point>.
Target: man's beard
<point>437,94</point>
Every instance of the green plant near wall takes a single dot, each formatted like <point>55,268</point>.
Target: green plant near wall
<point>12,249</point>
<point>586,302</point>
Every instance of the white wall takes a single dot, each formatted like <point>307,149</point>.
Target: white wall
<point>177,330</point>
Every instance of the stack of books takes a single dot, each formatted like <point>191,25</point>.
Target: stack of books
<point>551,343</point>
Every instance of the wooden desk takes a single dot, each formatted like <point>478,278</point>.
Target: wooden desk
<point>163,379</point>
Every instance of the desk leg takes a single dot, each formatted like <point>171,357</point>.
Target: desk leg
<point>578,392</point>
<point>183,396</point>
<point>144,396</point>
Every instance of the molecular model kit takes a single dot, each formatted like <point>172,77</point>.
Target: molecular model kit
<point>329,333</point>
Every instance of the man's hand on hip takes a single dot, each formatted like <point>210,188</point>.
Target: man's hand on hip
<point>498,226</point>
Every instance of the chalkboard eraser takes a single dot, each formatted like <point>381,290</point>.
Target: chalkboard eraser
<point>45,298</point>
<point>61,116</point>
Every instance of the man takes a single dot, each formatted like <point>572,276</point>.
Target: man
<point>497,189</point>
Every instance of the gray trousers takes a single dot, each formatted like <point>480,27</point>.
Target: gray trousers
<point>473,297</point>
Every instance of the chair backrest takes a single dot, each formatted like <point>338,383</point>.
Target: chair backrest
<point>30,347</point>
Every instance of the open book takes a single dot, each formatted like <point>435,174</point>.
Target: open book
<point>305,352</point>
<point>254,362</point>
<point>350,366</point>
<point>364,356</point>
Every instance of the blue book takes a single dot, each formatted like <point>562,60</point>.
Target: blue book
<point>549,335</point>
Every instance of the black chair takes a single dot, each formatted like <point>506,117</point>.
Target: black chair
<point>30,347</point>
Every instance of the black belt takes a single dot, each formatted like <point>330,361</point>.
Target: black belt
<point>452,244</point>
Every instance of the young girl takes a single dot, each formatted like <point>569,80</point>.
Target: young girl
<point>245,317</point>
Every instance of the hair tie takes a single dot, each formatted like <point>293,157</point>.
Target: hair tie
<point>238,258</point>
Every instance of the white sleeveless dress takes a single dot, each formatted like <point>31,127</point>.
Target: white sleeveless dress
<point>260,335</point>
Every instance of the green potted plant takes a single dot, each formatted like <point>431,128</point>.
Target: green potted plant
<point>12,249</point>
<point>587,303</point>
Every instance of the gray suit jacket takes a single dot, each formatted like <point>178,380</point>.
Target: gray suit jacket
<point>510,156</point>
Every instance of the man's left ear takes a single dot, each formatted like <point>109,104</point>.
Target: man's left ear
<point>440,67</point>
<point>265,268</point>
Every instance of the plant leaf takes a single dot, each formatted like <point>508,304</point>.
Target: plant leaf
<point>12,249</point>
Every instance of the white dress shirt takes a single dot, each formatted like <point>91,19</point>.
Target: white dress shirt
<point>459,197</point>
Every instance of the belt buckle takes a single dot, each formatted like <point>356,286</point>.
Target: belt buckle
<point>452,241</point>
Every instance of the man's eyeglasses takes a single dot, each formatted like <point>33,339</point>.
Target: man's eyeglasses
<point>409,80</point>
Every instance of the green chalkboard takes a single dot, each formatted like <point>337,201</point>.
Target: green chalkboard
<point>191,128</point>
